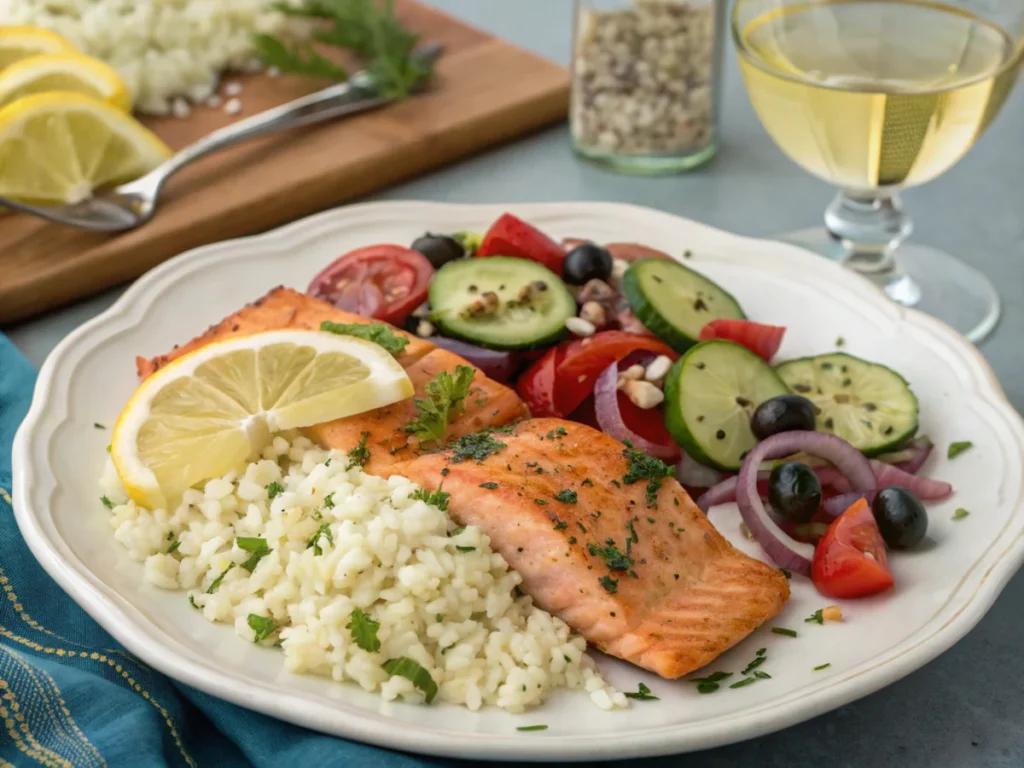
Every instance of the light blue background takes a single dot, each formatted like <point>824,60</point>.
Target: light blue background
<point>964,709</point>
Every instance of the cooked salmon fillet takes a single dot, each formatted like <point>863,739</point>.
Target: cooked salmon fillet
<point>636,569</point>
<point>489,404</point>
<point>281,308</point>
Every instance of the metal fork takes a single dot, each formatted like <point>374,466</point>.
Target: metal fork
<point>133,204</point>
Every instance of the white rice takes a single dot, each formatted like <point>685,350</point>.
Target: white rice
<point>456,613</point>
<point>162,48</point>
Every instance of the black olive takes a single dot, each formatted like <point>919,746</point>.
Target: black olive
<point>901,517</point>
<point>439,249</point>
<point>794,491</point>
<point>783,413</point>
<point>587,262</point>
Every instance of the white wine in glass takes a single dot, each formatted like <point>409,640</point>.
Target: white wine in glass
<point>875,96</point>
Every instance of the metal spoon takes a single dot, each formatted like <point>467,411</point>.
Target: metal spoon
<point>130,205</point>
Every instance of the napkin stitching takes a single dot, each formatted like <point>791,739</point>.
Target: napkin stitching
<point>41,707</point>
<point>65,652</point>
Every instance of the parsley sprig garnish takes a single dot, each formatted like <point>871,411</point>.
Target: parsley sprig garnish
<point>816,618</point>
<point>955,449</point>
<point>367,27</point>
<point>364,630</point>
<point>412,671</point>
<point>323,532</point>
<point>378,333</point>
<point>438,498</point>
<point>263,626</point>
<point>359,455</point>
<point>643,693</point>
<point>446,394</point>
<point>256,547</point>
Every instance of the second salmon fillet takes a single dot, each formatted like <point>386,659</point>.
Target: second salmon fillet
<point>627,560</point>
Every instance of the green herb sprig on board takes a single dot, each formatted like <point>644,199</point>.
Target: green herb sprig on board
<point>368,28</point>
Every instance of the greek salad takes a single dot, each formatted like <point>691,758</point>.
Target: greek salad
<point>821,454</point>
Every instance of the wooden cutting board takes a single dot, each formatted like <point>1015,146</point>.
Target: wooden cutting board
<point>486,91</point>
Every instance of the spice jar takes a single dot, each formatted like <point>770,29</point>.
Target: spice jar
<point>645,82</point>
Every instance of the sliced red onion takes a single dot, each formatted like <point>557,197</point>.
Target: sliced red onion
<point>922,448</point>
<point>833,478</point>
<point>693,474</point>
<point>721,493</point>
<point>924,488</point>
<point>835,506</point>
<point>495,364</point>
<point>609,418</point>
<point>786,552</point>
<point>725,491</point>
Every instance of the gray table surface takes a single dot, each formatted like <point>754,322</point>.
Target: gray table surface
<point>963,709</point>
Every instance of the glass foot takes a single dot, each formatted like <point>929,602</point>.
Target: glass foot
<point>924,278</point>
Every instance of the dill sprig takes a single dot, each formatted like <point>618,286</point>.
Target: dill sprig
<point>368,28</point>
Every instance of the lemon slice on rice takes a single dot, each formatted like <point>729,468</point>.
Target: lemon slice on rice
<point>58,147</point>
<point>18,43</point>
<point>69,72</point>
<point>210,411</point>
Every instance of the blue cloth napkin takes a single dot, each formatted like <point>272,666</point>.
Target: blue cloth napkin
<point>72,697</point>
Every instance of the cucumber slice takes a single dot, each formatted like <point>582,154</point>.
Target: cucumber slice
<point>868,405</point>
<point>500,302</point>
<point>710,395</point>
<point>675,302</point>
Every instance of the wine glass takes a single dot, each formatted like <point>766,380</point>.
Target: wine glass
<point>875,96</point>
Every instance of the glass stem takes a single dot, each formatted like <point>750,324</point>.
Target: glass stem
<point>871,227</point>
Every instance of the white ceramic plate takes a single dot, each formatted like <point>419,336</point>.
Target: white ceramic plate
<point>942,590</point>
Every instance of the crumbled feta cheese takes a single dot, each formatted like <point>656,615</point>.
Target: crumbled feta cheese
<point>232,89</point>
<point>233,106</point>
<point>425,328</point>
<point>643,394</point>
<point>580,327</point>
<point>657,369</point>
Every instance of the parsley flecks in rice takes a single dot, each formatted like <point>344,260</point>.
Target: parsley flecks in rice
<point>389,551</point>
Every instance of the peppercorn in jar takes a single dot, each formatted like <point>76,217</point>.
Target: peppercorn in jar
<point>645,79</point>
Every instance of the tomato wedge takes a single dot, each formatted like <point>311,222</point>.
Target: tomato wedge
<point>850,560</point>
<point>510,236</point>
<point>585,359</point>
<point>386,282</point>
<point>536,385</point>
<point>763,340</point>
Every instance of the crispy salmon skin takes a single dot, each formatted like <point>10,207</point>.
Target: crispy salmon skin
<point>624,557</point>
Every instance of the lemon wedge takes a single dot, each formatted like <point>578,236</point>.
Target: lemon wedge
<point>70,72</point>
<point>58,147</point>
<point>210,410</point>
<point>18,43</point>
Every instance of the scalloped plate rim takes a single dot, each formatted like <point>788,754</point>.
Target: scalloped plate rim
<point>113,612</point>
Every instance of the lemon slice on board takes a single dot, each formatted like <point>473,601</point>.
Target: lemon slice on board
<point>18,43</point>
<point>69,72</point>
<point>211,410</point>
<point>58,147</point>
